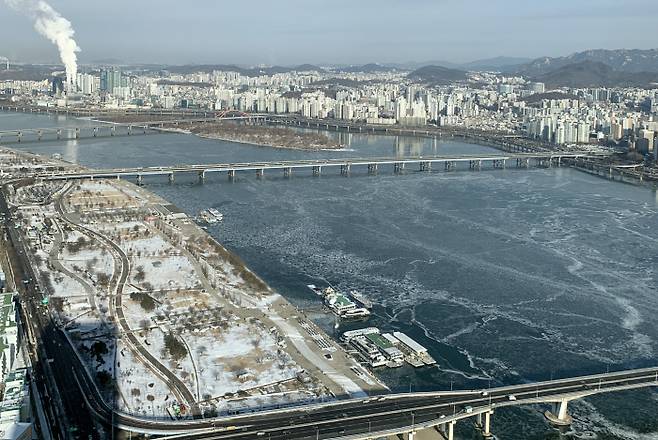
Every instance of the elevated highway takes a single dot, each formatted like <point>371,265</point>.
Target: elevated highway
<point>372,417</point>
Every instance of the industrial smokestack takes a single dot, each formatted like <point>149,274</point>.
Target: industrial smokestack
<point>56,28</point>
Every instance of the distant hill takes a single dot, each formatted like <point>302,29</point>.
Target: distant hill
<point>308,68</point>
<point>623,60</point>
<point>366,68</point>
<point>437,75</point>
<point>29,72</point>
<point>246,71</point>
<point>594,74</point>
<point>495,64</point>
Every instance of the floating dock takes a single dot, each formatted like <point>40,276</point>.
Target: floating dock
<point>378,349</point>
<point>339,303</point>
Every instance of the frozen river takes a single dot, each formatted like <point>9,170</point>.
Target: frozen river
<point>505,276</point>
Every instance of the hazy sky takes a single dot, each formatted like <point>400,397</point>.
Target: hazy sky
<point>338,31</point>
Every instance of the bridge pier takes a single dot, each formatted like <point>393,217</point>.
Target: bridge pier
<point>287,172</point>
<point>39,134</point>
<point>450,430</point>
<point>317,170</point>
<point>398,167</point>
<point>77,133</point>
<point>449,165</point>
<point>372,168</point>
<point>113,130</point>
<point>561,417</point>
<point>486,429</point>
<point>171,178</point>
<point>345,170</point>
<point>19,135</point>
<point>425,166</point>
<point>231,174</point>
<point>95,131</point>
<point>260,173</point>
<point>59,134</point>
<point>140,180</point>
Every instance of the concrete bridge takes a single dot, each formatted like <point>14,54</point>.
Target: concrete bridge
<point>110,129</point>
<point>98,111</point>
<point>316,167</point>
<point>505,142</point>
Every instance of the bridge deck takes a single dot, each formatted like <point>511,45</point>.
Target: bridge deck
<point>94,124</point>
<point>296,164</point>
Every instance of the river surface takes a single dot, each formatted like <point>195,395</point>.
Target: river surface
<point>504,275</point>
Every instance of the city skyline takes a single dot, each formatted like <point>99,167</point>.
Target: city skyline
<point>398,33</point>
<point>339,220</point>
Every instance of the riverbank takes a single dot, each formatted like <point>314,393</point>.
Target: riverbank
<point>152,303</point>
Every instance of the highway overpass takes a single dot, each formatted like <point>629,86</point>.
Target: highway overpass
<point>376,416</point>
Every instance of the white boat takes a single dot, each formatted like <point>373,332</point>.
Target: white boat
<point>315,289</point>
<point>206,217</point>
<point>361,299</point>
<point>359,312</point>
<point>216,214</point>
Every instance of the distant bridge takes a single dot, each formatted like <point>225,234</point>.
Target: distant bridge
<point>398,164</point>
<point>506,142</point>
<point>110,129</point>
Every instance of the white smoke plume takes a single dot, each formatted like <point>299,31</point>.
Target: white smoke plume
<point>56,28</point>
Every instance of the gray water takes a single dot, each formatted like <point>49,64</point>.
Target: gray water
<point>506,276</point>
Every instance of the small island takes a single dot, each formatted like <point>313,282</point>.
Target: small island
<point>264,135</point>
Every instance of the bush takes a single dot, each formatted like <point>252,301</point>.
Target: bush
<point>145,300</point>
<point>104,378</point>
<point>175,347</point>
